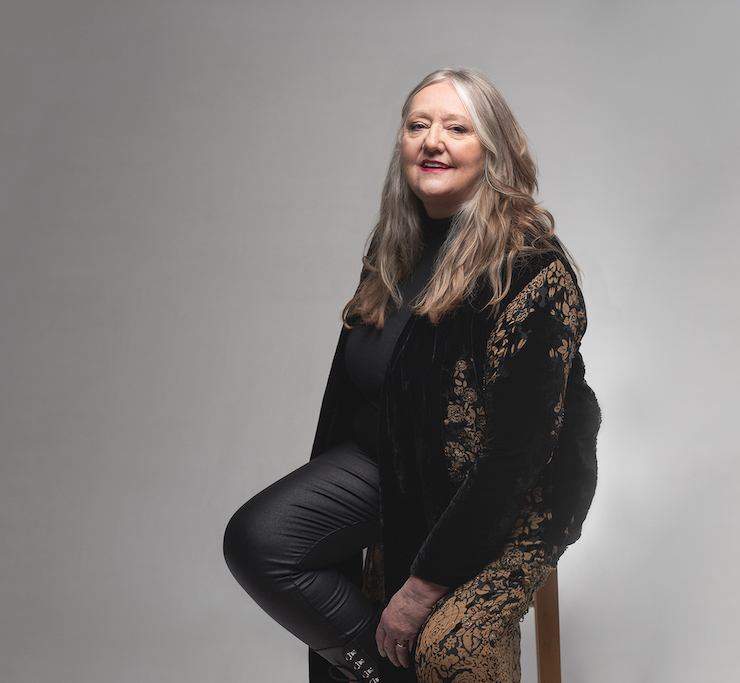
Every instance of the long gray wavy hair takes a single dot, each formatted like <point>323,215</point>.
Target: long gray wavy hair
<point>500,223</point>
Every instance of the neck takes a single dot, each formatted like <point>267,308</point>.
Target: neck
<point>433,226</point>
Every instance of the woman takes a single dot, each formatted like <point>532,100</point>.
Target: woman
<point>456,439</point>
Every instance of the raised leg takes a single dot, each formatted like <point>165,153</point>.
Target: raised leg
<point>282,544</point>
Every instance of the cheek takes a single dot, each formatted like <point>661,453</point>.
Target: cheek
<point>408,160</point>
<point>477,162</point>
<point>408,154</point>
<point>477,157</point>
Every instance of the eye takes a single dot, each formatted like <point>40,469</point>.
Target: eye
<point>460,130</point>
<point>416,125</point>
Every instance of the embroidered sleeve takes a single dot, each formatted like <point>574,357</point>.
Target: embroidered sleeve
<point>529,353</point>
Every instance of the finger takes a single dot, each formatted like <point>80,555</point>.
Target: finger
<point>380,637</point>
<point>392,651</point>
<point>403,655</point>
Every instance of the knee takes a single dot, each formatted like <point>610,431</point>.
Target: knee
<point>434,660</point>
<point>469,652</point>
<point>248,541</point>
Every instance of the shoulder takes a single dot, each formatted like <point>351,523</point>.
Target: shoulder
<point>545,284</point>
<point>550,267</point>
<point>543,303</point>
<point>531,272</point>
<point>543,288</point>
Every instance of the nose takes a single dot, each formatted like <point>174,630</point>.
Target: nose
<point>433,140</point>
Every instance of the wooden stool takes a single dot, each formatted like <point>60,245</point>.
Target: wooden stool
<point>547,630</point>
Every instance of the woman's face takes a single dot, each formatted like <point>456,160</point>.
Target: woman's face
<point>441,155</point>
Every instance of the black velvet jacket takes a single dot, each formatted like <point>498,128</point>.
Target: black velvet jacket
<point>487,423</point>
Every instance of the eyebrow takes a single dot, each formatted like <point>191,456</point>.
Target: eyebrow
<point>420,113</point>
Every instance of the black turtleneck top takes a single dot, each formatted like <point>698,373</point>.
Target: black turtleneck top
<point>369,349</point>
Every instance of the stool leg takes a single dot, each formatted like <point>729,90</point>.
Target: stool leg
<point>547,629</point>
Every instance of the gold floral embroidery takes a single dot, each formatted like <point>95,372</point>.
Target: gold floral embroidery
<point>554,285</point>
<point>465,421</point>
<point>465,416</point>
<point>472,634</point>
<point>531,517</point>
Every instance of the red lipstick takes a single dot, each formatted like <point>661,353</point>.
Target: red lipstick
<point>431,166</point>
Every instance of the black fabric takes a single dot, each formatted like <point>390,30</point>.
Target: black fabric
<point>454,528</point>
<point>456,475</point>
<point>369,349</point>
<point>282,546</point>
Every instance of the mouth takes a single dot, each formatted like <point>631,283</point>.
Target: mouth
<point>429,165</point>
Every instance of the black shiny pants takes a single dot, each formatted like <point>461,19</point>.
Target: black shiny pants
<point>281,544</point>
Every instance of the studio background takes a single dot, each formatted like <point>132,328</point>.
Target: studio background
<point>185,190</point>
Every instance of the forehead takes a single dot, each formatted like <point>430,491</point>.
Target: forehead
<point>438,99</point>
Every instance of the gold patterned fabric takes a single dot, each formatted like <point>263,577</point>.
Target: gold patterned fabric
<point>472,635</point>
<point>465,422</point>
<point>487,466</point>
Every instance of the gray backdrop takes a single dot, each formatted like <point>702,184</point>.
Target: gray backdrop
<point>186,190</point>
